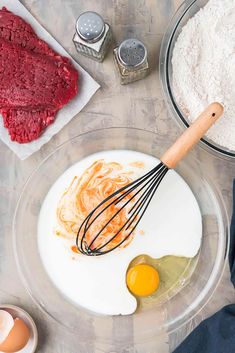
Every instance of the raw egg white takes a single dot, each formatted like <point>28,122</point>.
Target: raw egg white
<point>172,225</point>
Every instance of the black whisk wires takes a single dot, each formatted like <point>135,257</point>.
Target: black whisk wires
<point>134,198</point>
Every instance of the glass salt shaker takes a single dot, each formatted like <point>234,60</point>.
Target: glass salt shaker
<point>93,36</point>
<point>131,60</point>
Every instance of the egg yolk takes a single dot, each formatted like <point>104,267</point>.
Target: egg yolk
<point>142,280</point>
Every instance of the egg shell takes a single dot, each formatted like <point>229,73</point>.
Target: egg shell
<point>6,324</point>
<point>17,339</point>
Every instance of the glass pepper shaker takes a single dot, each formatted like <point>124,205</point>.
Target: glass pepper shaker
<point>93,36</point>
<point>131,60</point>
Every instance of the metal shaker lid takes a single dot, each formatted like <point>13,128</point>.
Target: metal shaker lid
<point>90,26</point>
<point>132,52</point>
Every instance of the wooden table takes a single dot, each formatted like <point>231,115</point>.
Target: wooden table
<point>141,106</point>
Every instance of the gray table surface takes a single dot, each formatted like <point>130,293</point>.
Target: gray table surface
<point>142,106</point>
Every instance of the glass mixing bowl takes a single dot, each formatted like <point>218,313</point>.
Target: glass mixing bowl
<point>146,324</point>
<point>187,10</point>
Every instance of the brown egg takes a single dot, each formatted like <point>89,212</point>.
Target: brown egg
<point>17,338</point>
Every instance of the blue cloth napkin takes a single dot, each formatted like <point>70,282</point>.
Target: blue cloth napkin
<point>216,334</point>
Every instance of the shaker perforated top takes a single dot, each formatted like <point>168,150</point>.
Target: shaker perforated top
<point>90,26</point>
<point>132,52</point>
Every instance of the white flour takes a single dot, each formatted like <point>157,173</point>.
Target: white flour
<point>204,67</point>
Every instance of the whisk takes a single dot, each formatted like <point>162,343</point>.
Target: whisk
<point>134,198</point>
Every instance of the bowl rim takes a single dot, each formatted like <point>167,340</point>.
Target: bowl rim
<point>217,195</point>
<point>164,59</point>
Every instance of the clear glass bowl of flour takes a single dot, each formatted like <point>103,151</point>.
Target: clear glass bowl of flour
<point>155,319</point>
<point>186,11</point>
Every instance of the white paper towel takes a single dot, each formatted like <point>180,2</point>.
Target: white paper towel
<point>87,87</point>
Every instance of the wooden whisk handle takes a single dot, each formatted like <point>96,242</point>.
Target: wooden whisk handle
<point>192,135</point>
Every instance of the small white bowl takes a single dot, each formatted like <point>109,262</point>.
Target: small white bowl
<point>15,311</point>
